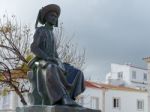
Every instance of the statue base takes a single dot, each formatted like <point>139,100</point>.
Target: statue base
<point>54,109</point>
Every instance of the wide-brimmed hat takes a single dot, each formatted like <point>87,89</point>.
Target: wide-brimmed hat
<point>49,8</point>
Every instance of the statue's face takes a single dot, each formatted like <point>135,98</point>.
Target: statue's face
<point>51,18</point>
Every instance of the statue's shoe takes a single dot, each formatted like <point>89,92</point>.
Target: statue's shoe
<point>69,102</point>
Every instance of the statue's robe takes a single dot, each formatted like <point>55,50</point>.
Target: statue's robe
<point>53,78</point>
<point>74,77</point>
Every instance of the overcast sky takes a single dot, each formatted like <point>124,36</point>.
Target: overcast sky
<point>111,31</point>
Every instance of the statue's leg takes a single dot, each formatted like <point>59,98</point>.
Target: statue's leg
<point>34,96</point>
<point>78,85</point>
<point>41,86</point>
<point>55,83</point>
<point>54,86</point>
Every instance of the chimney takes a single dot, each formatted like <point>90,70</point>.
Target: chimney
<point>147,60</point>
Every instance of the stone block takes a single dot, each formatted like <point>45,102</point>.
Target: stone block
<point>54,109</point>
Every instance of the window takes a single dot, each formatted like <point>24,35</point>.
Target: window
<point>145,77</point>
<point>116,103</point>
<point>140,104</point>
<point>94,102</point>
<point>133,74</point>
<point>120,75</point>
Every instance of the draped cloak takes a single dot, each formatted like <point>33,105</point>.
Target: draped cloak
<point>54,77</point>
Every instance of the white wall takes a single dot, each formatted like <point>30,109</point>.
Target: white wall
<point>8,102</point>
<point>89,94</point>
<point>139,75</point>
<point>11,103</point>
<point>127,75</point>
<point>148,67</point>
<point>115,68</point>
<point>128,101</point>
<point>139,81</point>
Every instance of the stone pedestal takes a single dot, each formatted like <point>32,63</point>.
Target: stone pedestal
<point>54,109</point>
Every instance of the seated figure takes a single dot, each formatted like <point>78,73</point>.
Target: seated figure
<point>53,82</point>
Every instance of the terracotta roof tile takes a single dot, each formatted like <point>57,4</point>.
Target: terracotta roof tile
<point>109,86</point>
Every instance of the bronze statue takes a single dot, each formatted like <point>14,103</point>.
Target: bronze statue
<point>53,82</point>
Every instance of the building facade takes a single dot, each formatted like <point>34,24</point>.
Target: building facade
<point>109,98</point>
<point>131,76</point>
<point>9,102</point>
<point>147,60</point>
<point>128,75</point>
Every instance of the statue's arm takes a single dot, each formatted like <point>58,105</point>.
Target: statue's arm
<point>35,45</point>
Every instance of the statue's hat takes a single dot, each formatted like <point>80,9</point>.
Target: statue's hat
<point>49,8</point>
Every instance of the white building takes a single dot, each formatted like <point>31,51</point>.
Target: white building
<point>147,60</point>
<point>9,102</point>
<point>109,98</point>
<point>131,76</point>
<point>128,75</point>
